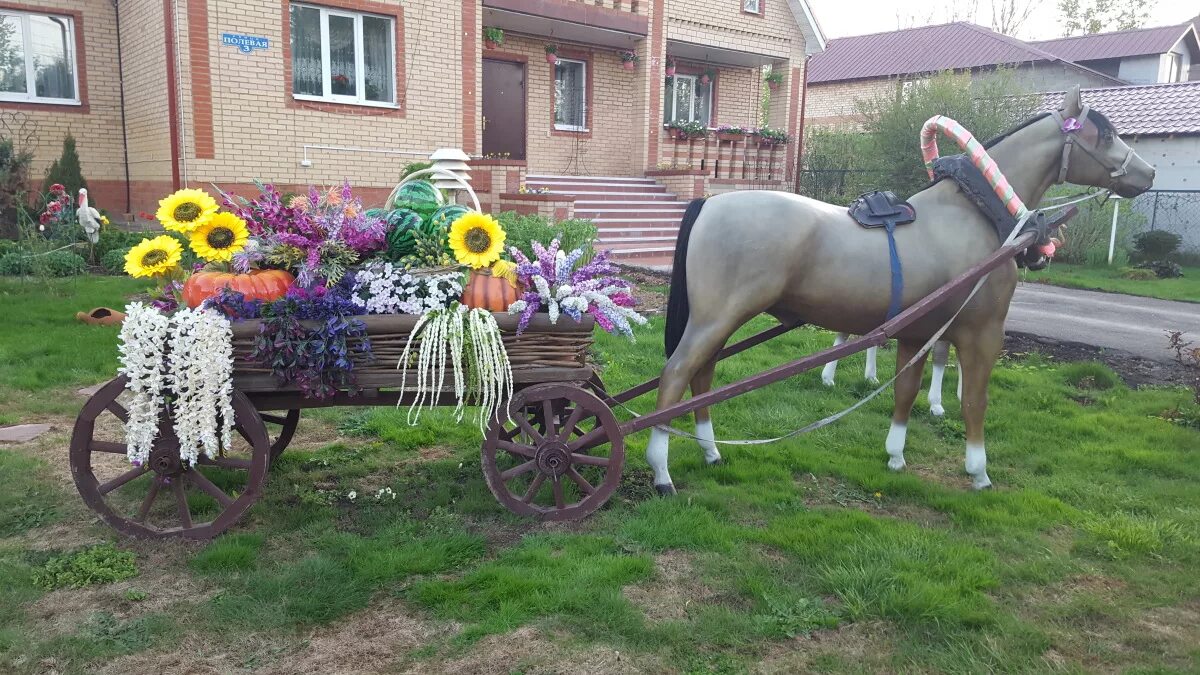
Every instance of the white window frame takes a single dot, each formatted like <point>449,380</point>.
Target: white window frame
<point>360,56</point>
<point>582,94</point>
<point>757,4</point>
<point>670,114</point>
<point>1174,67</point>
<point>30,95</point>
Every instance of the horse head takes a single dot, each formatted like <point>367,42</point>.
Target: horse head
<point>1095,155</point>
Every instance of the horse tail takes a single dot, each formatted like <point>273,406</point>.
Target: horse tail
<point>677,302</point>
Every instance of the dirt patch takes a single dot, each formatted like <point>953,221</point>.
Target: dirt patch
<point>674,591</point>
<point>531,651</point>
<point>829,491</point>
<point>650,301</point>
<point>863,647</point>
<point>1134,370</point>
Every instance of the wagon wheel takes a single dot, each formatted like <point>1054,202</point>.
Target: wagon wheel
<point>544,473</point>
<point>164,497</point>
<point>287,423</point>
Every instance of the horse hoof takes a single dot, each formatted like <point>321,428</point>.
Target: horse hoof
<point>982,483</point>
<point>896,464</point>
<point>667,490</point>
<point>937,410</point>
<point>716,462</point>
<point>827,381</point>
<point>873,380</point>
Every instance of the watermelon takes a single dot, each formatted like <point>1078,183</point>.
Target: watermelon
<point>419,195</point>
<point>401,224</point>
<point>444,217</point>
<point>376,213</point>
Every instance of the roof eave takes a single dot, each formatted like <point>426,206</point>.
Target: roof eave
<point>814,37</point>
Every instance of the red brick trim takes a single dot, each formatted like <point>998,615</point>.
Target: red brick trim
<point>654,173</point>
<point>396,13</point>
<point>497,55</point>
<point>588,75</point>
<point>201,78</point>
<point>573,11</point>
<point>697,70</point>
<point>83,107</point>
<point>762,9</point>
<point>799,97</point>
<point>487,161</point>
<point>172,92</point>
<point>656,84</point>
<point>471,63</point>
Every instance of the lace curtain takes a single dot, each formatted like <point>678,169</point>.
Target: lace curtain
<point>569,94</point>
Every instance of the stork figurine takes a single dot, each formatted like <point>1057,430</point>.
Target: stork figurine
<point>89,218</point>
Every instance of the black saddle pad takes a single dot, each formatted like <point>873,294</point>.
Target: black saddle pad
<point>877,209</point>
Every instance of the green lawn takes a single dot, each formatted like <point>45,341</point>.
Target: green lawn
<point>803,556</point>
<point>1112,279</point>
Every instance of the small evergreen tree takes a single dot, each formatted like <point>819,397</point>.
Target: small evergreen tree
<point>66,170</point>
<point>14,174</point>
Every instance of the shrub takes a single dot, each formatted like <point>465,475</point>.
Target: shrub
<point>1085,237</point>
<point>1157,244</point>
<point>1090,375</point>
<point>16,265</point>
<point>14,177</point>
<point>1138,275</point>
<point>113,261</point>
<point>66,170</point>
<point>7,246</point>
<point>520,231</point>
<point>413,167</point>
<point>96,565</point>
<point>112,239</point>
<point>1163,269</point>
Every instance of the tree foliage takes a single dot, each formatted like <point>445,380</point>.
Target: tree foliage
<point>1085,17</point>
<point>987,106</point>
<point>66,170</point>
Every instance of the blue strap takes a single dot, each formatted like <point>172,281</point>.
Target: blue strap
<point>897,272</point>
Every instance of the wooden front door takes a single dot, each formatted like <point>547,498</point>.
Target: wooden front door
<point>503,109</point>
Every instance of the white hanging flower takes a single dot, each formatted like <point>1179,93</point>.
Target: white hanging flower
<point>143,345</point>
<point>200,373</point>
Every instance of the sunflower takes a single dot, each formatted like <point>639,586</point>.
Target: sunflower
<point>155,257</point>
<point>476,240</point>
<point>186,210</point>
<point>218,238</point>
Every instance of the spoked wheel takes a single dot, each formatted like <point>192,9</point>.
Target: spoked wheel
<point>287,423</point>
<point>165,497</point>
<point>535,465</point>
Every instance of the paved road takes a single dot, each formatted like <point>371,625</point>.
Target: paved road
<point>1109,320</point>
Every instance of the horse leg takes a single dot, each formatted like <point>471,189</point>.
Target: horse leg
<point>908,383</point>
<point>977,356</point>
<point>941,354</point>
<point>830,370</point>
<point>702,383</point>
<point>870,375</point>
<point>958,392</point>
<point>699,346</point>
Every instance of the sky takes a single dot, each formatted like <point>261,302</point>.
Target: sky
<point>842,18</point>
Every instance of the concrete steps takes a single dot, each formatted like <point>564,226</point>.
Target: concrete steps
<point>637,218</point>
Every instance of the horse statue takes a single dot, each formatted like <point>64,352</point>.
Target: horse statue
<point>801,260</point>
<point>941,355</point>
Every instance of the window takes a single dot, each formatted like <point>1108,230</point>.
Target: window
<point>752,6</point>
<point>343,57</point>
<point>570,95</point>
<point>1174,67</point>
<point>37,58</point>
<point>687,100</point>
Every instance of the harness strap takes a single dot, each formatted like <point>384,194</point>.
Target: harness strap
<point>976,152</point>
<point>897,272</point>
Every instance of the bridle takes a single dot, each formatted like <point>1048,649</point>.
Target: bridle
<point>1071,126</point>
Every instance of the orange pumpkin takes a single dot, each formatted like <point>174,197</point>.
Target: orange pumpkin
<point>485,291</point>
<point>257,285</point>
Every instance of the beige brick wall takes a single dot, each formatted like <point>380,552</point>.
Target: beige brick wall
<point>611,146</point>
<point>257,135</point>
<point>836,104</point>
<point>145,61</point>
<point>98,130</point>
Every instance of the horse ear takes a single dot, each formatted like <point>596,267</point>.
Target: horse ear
<point>1072,103</point>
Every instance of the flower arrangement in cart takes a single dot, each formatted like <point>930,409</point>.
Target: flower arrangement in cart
<point>308,268</point>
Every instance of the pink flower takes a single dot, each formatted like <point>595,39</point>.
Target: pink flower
<point>57,188</point>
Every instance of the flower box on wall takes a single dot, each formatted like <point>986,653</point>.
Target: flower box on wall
<point>730,137</point>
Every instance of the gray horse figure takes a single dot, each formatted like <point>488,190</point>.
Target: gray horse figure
<point>801,260</point>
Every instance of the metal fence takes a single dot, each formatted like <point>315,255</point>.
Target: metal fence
<point>1175,211</point>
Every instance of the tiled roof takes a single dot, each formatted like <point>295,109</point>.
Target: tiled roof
<point>1117,44</point>
<point>1151,110</point>
<point>924,49</point>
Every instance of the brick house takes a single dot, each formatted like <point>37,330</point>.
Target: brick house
<point>865,67</point>
<point>168,93</point>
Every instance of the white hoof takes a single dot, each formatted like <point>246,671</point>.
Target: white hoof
<point>981,482</point>
<point>827,381</point>
<point>873,380</point>
<point>896,464</point>
<point>937,410</point>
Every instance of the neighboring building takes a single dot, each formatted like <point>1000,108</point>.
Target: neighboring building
<point>868,66</point>
<point>313,92</point>
<point>1139,56</point>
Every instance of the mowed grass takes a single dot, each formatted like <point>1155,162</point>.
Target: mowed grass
<point>1112,279</point>
<point>1083,558</point>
